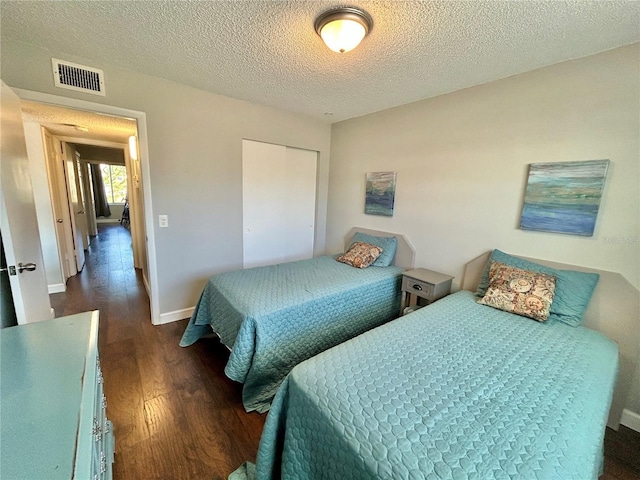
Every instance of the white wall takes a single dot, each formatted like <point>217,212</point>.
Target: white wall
<point>462,164</point>
<point>44,211</point>
<point>195,152</point>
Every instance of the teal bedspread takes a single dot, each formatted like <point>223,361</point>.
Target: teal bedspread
<point>455,390</point>
<point>274,317</point>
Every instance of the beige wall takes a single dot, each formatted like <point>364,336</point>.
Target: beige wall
<point>195,152</point>
<point>461,161</point>
<point>633,402</point>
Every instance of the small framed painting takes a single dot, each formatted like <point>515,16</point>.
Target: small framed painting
<point>564,197</point>
<point>380,193</point>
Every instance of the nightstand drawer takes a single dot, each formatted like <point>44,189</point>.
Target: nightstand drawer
<point>424,284</point>
<point>422,289</point>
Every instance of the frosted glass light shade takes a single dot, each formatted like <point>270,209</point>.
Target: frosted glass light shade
<point>343,29</point>
<point>342,35</point>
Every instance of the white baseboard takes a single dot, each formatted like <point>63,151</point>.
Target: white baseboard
<point>176,315</point>
<point>630,419</point>
<point>57,288</point>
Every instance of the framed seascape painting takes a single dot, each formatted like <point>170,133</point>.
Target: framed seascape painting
<point>380,193</point>
<point>564,197</point>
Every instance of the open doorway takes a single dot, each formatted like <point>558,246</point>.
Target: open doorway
<point>107,185</point>
<point>146,238</point>
<point>90,200</point>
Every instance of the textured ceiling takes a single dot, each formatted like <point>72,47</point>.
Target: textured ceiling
<point>62,122</point>
<point>267,52</point>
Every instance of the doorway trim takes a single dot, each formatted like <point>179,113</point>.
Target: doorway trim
<point>143,155</point>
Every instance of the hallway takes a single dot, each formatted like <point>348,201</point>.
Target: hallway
<point>108,277</point>
<point>175,414</point>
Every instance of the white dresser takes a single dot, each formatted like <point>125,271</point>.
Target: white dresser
<point>53,422</point>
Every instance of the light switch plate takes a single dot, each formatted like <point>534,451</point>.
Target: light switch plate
<point>163,221</point>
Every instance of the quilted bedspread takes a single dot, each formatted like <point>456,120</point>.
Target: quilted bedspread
<point>274,317</point>
<point>455,390</point>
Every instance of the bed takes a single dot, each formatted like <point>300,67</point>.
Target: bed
<point>272,318</point>
<point>454,390</point>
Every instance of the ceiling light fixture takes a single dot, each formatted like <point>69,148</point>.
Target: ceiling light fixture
<point>342,29</point>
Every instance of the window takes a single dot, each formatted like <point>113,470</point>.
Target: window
<point>115,182</point>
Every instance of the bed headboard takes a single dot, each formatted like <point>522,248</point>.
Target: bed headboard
<point>405,254</point>
<point>614,311</point>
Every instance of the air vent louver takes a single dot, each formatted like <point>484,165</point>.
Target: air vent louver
<point>78,77</point>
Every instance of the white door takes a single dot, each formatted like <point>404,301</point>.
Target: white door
<point>19,224</point>
<point>76,207</point>
<point>60,205</point>
<point>279,203</point>
<point>300,207</point>
<point>263,165</point>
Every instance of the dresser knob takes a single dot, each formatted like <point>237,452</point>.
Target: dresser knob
<point>96,431</point>
<point>417,287</point>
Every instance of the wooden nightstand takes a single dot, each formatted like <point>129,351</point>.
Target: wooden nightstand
<point>425,284</point>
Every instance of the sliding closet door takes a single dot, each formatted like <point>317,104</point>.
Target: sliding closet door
<point>300,209</point>
<point>279,203</point>
<point>263,201</point>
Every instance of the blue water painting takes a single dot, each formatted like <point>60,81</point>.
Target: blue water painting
<point>564,197</point>
<point>380,193</point>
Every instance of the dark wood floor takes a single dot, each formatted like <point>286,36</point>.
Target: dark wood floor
<point>175,414</point>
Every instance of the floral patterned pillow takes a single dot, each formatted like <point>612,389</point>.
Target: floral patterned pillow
<point>519,291</point>
<point>360,255</point>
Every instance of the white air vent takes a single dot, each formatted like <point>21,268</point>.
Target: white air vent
<point>78,77</point>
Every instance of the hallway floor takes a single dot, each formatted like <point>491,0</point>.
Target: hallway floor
<point>175,414</point>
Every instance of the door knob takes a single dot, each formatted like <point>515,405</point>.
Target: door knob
<point>59,220</point>
<point>29,267</point>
